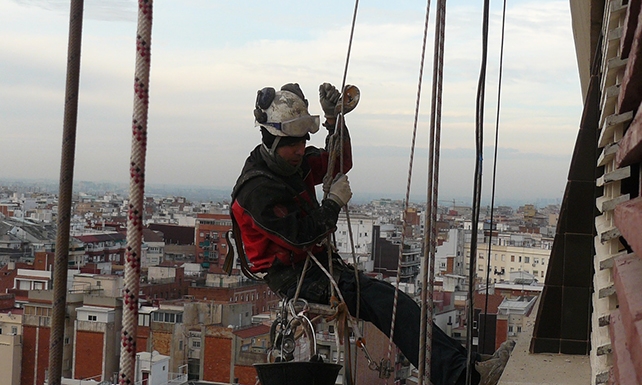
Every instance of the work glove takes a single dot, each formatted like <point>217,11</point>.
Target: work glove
<point>340,191</point>
<point>328,97</point>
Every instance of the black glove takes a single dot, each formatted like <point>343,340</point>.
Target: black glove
<point>328,97</point>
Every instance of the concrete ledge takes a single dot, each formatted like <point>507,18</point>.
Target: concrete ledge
<point>524,368</point>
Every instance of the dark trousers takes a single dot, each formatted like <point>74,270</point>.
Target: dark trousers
<point>448,365</point>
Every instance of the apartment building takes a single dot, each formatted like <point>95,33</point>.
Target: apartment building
<point>10,341</point>
<point>211,245</point>
<point>97,328</point>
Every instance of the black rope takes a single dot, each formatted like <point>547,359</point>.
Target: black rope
<point>479,136</point>
<point>61,265</point>
<point>492,195</point>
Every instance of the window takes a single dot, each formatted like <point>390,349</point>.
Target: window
<point>535,260</point>
<point>92,318</point>
<point>527,259</point>
<point>520,258</point>
<point>180,345</point>
<point>519,329</point>
<point>503,258</point>
<point>196,343</point>
<point>512,258</point>
<point>67,340</point>
<point>167,317</point>
<point>510,329</point>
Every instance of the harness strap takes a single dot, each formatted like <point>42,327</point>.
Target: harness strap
<point>229,258</point>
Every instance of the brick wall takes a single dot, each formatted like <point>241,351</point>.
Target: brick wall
<point>218,358</point>
<point>7,301</point>
<point>162,342</point>
<point>142,338</point>
<point>246,374</point>
<point>35,354</point>
<point>89,354</point>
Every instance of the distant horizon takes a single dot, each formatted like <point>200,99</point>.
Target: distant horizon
<point>204,80</point>
<point>203,193</point>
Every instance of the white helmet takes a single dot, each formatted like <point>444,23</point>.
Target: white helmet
<point>284,113</point>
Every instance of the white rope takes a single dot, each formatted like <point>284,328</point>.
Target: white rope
<point>128,349</point>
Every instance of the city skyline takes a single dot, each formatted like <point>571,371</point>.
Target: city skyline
<point>207,66</point>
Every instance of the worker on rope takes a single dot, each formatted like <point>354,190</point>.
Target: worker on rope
<point>280,220</point>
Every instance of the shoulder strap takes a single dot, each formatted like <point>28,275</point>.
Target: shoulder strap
<point>236,230</point>
<point>229,258</point>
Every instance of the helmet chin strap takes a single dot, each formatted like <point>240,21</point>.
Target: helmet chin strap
<point>275,144</point>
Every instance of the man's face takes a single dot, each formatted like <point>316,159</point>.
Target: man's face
<point>293,152</point>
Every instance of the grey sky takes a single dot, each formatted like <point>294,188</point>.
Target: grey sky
<point>210,57</point>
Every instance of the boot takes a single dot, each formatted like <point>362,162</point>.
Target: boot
<point>491,369</point>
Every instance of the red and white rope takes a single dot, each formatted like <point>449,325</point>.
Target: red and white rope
<point>128,349</point>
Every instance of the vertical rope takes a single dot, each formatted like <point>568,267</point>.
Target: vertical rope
<point>65,191</point>
<point>136,194</point>
<point>406,203</point>
<point>433,189</point>
<point>338,129</point>
<point>492,195</point>
<point>479,136</point>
